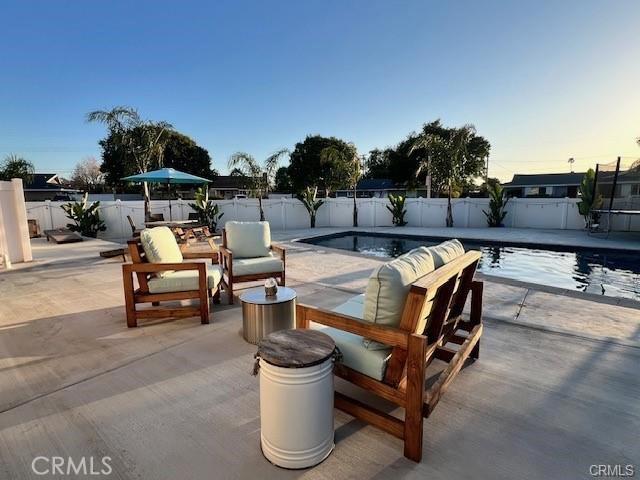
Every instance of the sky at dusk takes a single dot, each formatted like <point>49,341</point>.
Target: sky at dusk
<point>543,81</point>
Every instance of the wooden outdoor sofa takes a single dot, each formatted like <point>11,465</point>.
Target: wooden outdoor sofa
<point>247,254</point>
<point>430,324</point>
<point>164,276</point>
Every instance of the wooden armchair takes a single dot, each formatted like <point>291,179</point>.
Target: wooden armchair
<point>431,321</point>
<point>185,280</point>
<point>240,266</point>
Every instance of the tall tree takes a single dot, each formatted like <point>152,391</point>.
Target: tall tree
<point>15,166</point>
<point>283,181</point>
<point>453,155</point>
<point>87,175</point>
<point>260,177</point>
<point>141,141</point>
<point>308,167</point>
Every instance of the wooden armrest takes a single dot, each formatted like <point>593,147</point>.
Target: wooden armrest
<point>475,314</point>
<point>394,337</point>
<point>192,255</point>
<point>225,252</point>
<point>279,250</point>
<point>162,267</point>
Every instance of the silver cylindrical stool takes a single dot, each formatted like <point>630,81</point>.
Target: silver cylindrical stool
<point>262,315</point>
<point>296,397</point>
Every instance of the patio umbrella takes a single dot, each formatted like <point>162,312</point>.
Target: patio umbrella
<point>168,176</point>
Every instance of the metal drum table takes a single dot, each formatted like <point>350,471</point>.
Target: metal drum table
<point>296,397</point>
<point>262,314</point>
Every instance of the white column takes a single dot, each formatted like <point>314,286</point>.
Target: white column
<point>21,217</point>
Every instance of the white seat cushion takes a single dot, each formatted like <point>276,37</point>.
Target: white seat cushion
<point>446,251</point>
<point>248,239</point>
<point>389,286</point>
<point>254,266</point>
<point>354,307</point>
<point>355,355</point>
<point>160,246</point>
<point>184,280</point>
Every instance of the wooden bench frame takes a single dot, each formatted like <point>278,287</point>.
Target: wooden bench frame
<point>226,262</point>
<point>431,319</point>
<point>144,270</point>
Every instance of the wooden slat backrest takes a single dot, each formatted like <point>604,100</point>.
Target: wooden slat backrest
<point>430,303</point>
<point>138,256</point>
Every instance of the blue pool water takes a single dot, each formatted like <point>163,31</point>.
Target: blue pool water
<point>615,273</point>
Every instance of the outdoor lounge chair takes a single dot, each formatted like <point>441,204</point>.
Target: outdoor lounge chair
<point>135,231</point>
<point>416,302</point>
<point>62,235</point>
<point>247,254</point>
<point>163,275</point>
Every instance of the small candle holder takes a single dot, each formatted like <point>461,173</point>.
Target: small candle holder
<point>270,287</point>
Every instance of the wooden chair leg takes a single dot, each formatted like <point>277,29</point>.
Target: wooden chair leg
<point>216,296</point>
<point>204,296</point>
<point>413,421</point>
<point>129,300</point>
<point>282,279</point>
<point>230,290</point>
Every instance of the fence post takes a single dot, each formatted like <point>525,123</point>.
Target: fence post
<point>119,213</point>
<point>47,206</point>
<point>283,212</point>
<point>467,204</point>
<point>565,214</point>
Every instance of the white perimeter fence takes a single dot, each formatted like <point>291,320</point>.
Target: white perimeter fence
<point>288,213</point>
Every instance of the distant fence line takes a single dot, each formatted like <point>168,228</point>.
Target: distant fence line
<point>288,213</point>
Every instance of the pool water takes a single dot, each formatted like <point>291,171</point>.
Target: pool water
<point>614,273</point>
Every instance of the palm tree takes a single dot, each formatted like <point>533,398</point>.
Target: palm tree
<point>453,156</point>
<point>348,164</point>
<point>260,178</point>
<point>143,140</point>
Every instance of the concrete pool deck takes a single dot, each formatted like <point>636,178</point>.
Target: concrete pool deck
<point>554,391</point>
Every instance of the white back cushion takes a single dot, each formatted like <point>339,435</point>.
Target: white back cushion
<point>389,286</point>
<point>160,246</point>
<point>248,239</point>
<point>446,251</point>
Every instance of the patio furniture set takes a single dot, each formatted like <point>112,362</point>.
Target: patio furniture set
<point>410,315</point>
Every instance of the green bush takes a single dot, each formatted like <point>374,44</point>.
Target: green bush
<point>497,204</point>
<point>208,212</point>
<point>397,209</point>
<point>86,218</point>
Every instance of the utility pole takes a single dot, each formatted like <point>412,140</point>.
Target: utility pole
<point>486,170</point>
<point>428,179</point>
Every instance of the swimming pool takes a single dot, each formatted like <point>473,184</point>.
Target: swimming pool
<point>614,273</point>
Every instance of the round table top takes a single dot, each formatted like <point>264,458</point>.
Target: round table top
<point>296,348</point>
<point>257,296</point>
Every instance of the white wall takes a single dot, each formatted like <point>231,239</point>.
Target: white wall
<point>288,213</point>
<point>14,232</point>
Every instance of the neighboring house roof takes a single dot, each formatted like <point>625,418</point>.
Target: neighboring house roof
<point>48,182</point>
<point>229,182</point>
<point>376,184</point>
<point>545,179</point>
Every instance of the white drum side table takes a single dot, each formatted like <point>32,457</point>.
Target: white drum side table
<point>296,397</point>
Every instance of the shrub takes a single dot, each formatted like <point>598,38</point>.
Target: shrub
<point>497,204</point>
<point>85,216</point>
<point>397,209</point>
<point>208,212</point>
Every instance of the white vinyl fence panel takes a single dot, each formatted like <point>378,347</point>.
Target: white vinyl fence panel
<point>289,213</point>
